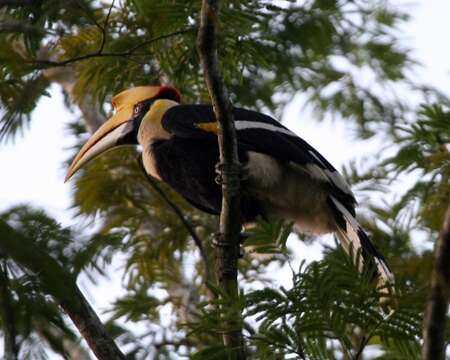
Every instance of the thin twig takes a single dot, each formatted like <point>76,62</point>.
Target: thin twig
<point>365,340</point>
<point>99,53</point>
<point>161,37</point>
<point>198,242</point>
<point>104,28</point>
<point>87,11</point>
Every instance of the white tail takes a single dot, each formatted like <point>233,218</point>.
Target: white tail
<point>353,237</point>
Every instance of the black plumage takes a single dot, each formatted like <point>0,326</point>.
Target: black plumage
<point>284,146</point>
<point>285,177</point>
<point>187,162</point>
<point>188,166</point>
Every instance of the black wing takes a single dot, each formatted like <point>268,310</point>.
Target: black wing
<point>261,133</point>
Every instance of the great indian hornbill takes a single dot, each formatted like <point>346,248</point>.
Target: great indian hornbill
<point>286,177</point>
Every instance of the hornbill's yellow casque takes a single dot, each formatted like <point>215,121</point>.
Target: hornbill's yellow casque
<point>286,177</point>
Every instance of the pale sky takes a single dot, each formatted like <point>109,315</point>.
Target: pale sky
<point>32,170</point>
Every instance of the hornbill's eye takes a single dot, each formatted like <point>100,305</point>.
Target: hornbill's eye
<point>142,107</point>
<point>138,108</point>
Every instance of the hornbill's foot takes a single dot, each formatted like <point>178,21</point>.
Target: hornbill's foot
<point>233,171</point>
<point>218,241</point>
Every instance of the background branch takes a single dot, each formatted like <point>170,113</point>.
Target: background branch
<point>62,286</point>
<point>435,321</point>
<point>104,27</point>
<point>198,242</point>
<point>227,251</point>
<point>39,63</point>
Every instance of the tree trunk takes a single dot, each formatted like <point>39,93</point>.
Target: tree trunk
<point>227,249</point>
<point>435,322</point>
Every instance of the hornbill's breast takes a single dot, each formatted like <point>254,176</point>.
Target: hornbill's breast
<point>188,166</point>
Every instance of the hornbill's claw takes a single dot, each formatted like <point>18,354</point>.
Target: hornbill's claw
<point>240,170</point>
<point>219,242</point>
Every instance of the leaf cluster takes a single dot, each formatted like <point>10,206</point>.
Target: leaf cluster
<point>37,319</point>
<point>420,161</point>
<point>424,149</point>
<point>269,52</point>
<point>332,310</point>
<point>318,48</point>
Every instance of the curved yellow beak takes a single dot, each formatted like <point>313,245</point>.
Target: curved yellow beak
<point>106,137</point>
<point>115,128</point>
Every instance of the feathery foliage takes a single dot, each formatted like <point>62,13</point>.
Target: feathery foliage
<point>344,57</point>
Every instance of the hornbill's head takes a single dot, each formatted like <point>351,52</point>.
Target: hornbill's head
<point>131,107</point>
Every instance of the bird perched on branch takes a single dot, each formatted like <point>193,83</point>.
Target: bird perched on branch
<point>285,176</point>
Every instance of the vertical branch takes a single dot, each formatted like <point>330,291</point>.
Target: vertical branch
<point>11,348</point>
<point>227,250</point>
<point>435,322</point>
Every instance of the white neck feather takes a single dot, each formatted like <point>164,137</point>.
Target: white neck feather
<point>150,128</point>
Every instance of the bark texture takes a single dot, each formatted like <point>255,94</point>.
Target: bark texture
<point>227,252</point>
<point>435,323</point>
